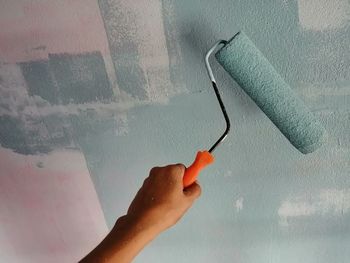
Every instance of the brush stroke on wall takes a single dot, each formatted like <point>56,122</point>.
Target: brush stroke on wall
<point>96,92</point>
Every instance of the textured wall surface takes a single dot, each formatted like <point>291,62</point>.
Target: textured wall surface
<point>95,93</point>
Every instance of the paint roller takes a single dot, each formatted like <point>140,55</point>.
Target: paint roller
<point>257,77</point>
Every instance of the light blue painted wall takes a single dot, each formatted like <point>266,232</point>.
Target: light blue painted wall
<point>290,202</point>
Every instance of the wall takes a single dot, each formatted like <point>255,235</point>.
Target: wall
<point>95,93</point>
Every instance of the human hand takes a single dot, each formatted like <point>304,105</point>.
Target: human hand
<point>162,200</point>
<point>159,204</point>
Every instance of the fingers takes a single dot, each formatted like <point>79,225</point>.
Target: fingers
<point>193,191</point>
<point>173,171</point>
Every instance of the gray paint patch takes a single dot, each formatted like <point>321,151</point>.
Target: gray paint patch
<point>130,76</point>
<point>43,134</point>
<point>81,78</point>
<point>35,135</point>
<point>39,80</point>
<point>30,123</point>
<point>15,135</point>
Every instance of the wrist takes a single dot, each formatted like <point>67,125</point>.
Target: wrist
<point>141,226</point>
<point>134,231</point>
<point>128,236</point>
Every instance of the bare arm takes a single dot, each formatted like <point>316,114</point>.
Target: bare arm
<point>158,205</point>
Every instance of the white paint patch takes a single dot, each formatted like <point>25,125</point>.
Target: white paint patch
<point>323,14</point>
<point>327,202</point>
<point>153,49</point>
<point>123,127</point>
<point>296,209</point>
<point>13,91</point>
<point>239,204</point>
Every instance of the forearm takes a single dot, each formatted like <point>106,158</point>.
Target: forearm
<point>123,243</point>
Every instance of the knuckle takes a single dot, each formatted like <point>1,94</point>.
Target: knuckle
<point>154,170</point>
<point>176,169</point>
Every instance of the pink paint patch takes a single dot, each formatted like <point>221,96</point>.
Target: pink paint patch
<point>48,214</point>
<point>32,29</point>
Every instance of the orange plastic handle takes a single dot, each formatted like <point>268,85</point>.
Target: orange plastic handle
<point>203,159</point>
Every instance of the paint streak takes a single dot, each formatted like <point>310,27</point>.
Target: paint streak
<point>239,204</point>
<point>138,47</point>
<point>323,14</point>
<point>327,202</point>
<point>172,36</point>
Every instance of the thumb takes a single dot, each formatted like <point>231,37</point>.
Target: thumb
<point>193,191</point>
